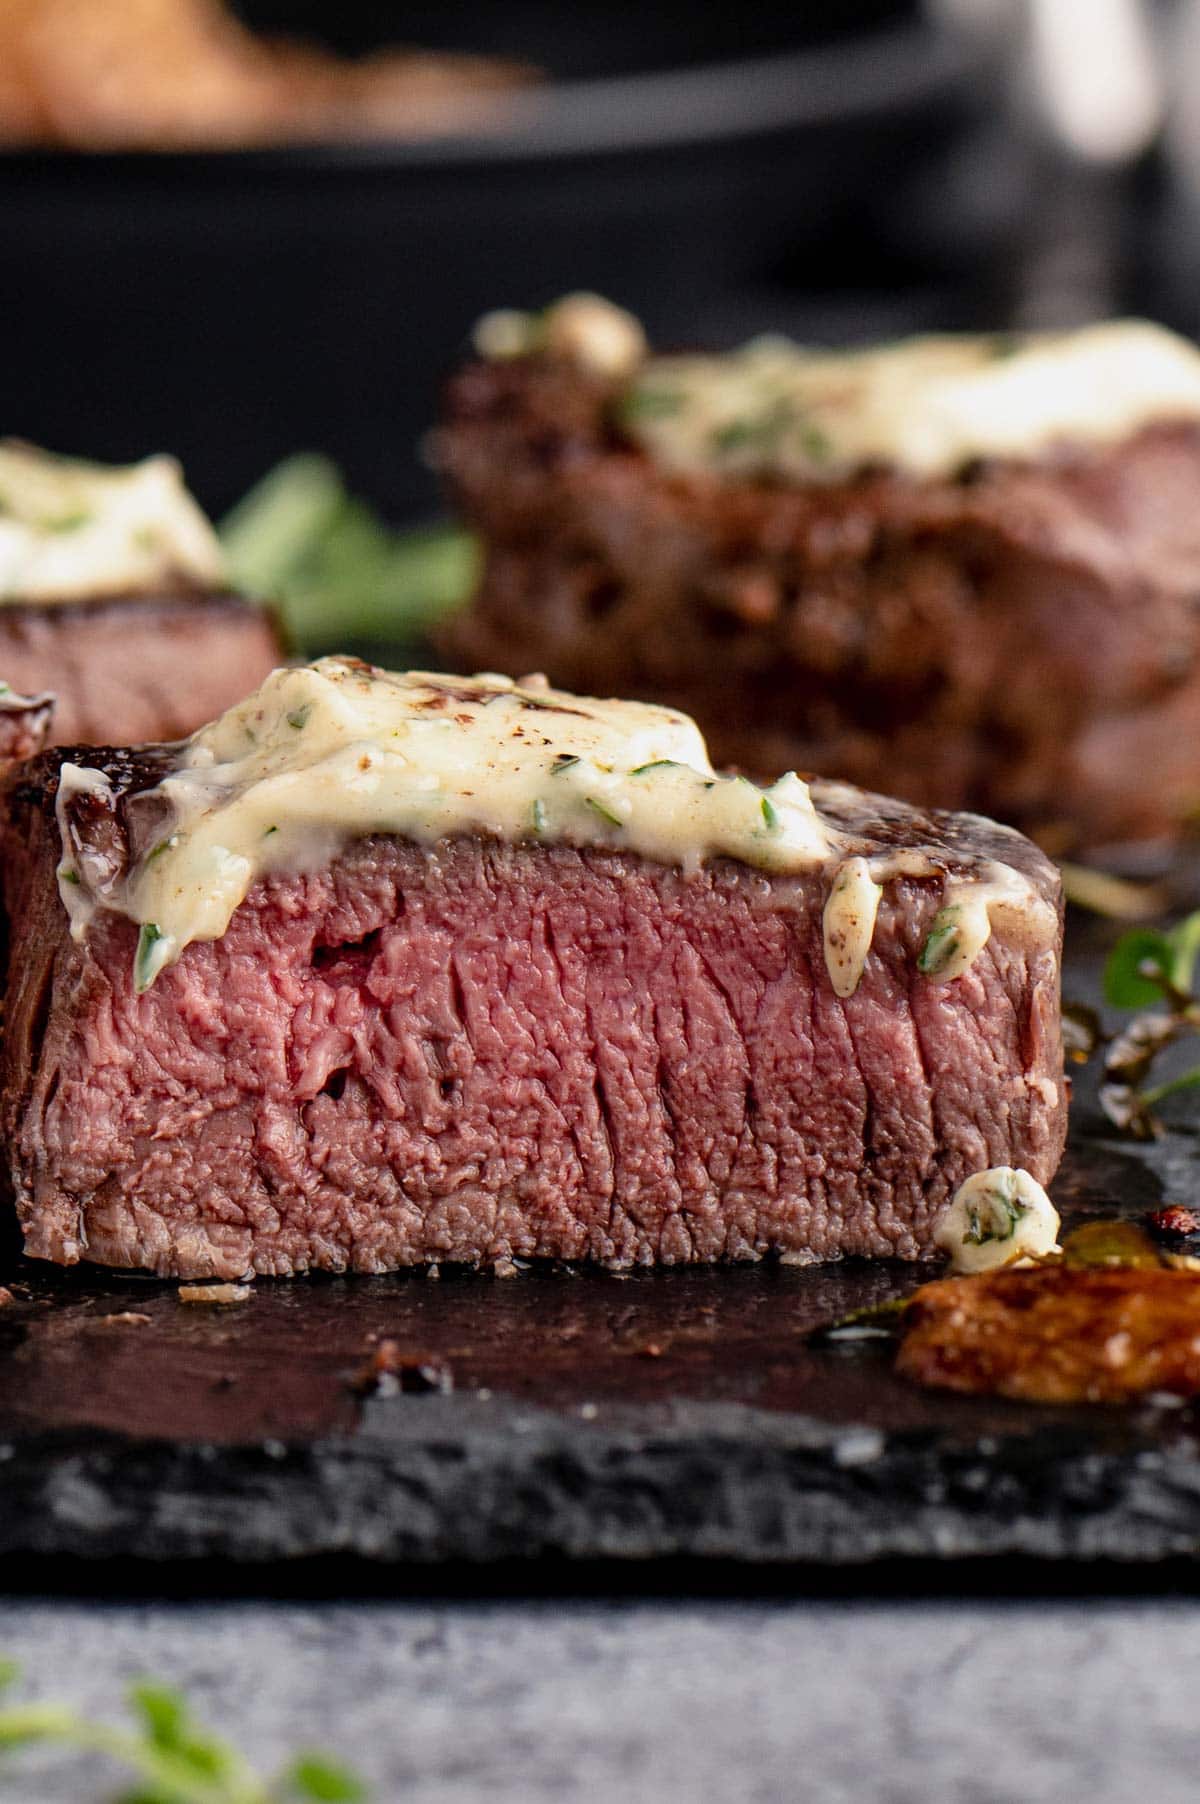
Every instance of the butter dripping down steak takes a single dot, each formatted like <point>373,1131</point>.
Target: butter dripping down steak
<point>1020,638</point>
<point>477,1049</point>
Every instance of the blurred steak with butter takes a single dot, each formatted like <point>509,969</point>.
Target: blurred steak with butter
<point>114,598</point>
<point>962,569</point>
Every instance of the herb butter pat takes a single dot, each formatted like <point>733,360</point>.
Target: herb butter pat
<point>925,406</point>
<point>70,529</point>
<point>331,752</point>
<point>998,1217</point>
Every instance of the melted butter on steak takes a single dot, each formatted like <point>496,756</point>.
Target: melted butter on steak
<point>926,406</point>
<point>70,529</point>
<point>336,751</point>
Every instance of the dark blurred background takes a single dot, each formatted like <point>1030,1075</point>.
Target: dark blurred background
<point>837,171</point>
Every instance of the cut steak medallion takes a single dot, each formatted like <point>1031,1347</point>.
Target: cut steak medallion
<point>114,596</point>
<point>472,1048</point>
<point>139,666</point>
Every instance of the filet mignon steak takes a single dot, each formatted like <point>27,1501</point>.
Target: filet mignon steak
<point>474,1050</point>
<point>902,632</point>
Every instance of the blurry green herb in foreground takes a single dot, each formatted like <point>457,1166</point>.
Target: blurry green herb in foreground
<point>1153,972</point>
<point>173,1758</point>
<point>339,574</point>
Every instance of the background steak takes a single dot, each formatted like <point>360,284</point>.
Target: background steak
<point>133,668</point>
<point>478,1050</point>
<point>904,634</point>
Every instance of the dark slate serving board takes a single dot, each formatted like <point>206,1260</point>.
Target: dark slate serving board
<point>679,1414</point>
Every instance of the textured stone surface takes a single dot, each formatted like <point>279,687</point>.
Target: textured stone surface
<point>465,1481</point>
<point>686,1703</point>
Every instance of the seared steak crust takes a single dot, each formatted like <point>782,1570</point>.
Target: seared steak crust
<point>1023,640</point>
<point>479,1050</point>
<point>138,667</point>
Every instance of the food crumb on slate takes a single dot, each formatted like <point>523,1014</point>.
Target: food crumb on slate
<point>214,1293</point>
<point>391,1371</point>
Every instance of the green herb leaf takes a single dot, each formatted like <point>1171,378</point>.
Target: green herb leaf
<point>70,522</point>
<point>814,443</point>
<point>657,764</point>
<point>649,404</point>
<point>1184,941</point>
<point>606,814</point>
<point>68,874</point>
<point>563,762</point>
<point>1171,1086</point>
<point>163,1712</point>
<point>175,1759</point>
<point>299,716</point>
<point>1138,969</point>
<point>943,941</point>
<point>770,815</point>
<point>164,845</point>
<point>313,1776</point>
<point>147,960</point>
<point>1000,1222</point>
<point>737,435</point>
<point>337,570</point>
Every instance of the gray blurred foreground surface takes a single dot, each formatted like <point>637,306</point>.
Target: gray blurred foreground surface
<point>695,1702</point>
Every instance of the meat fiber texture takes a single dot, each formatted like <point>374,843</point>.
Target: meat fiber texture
<point>126,669</point>
<point>479,1051</point>
<point>1023,640</point>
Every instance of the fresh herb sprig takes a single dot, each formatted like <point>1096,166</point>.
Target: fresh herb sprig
<point>338,571</point>
<point>1154,973</point>
<point>175,1759</point>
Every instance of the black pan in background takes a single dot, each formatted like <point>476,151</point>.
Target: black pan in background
<point>235,307</point>
<point>585,39</point>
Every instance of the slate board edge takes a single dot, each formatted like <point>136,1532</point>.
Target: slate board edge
<point>714,1483</point>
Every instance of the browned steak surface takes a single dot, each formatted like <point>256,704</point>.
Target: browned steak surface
<point>139,667</point>
<point>479,1050</point>
<point>1023,640</point>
